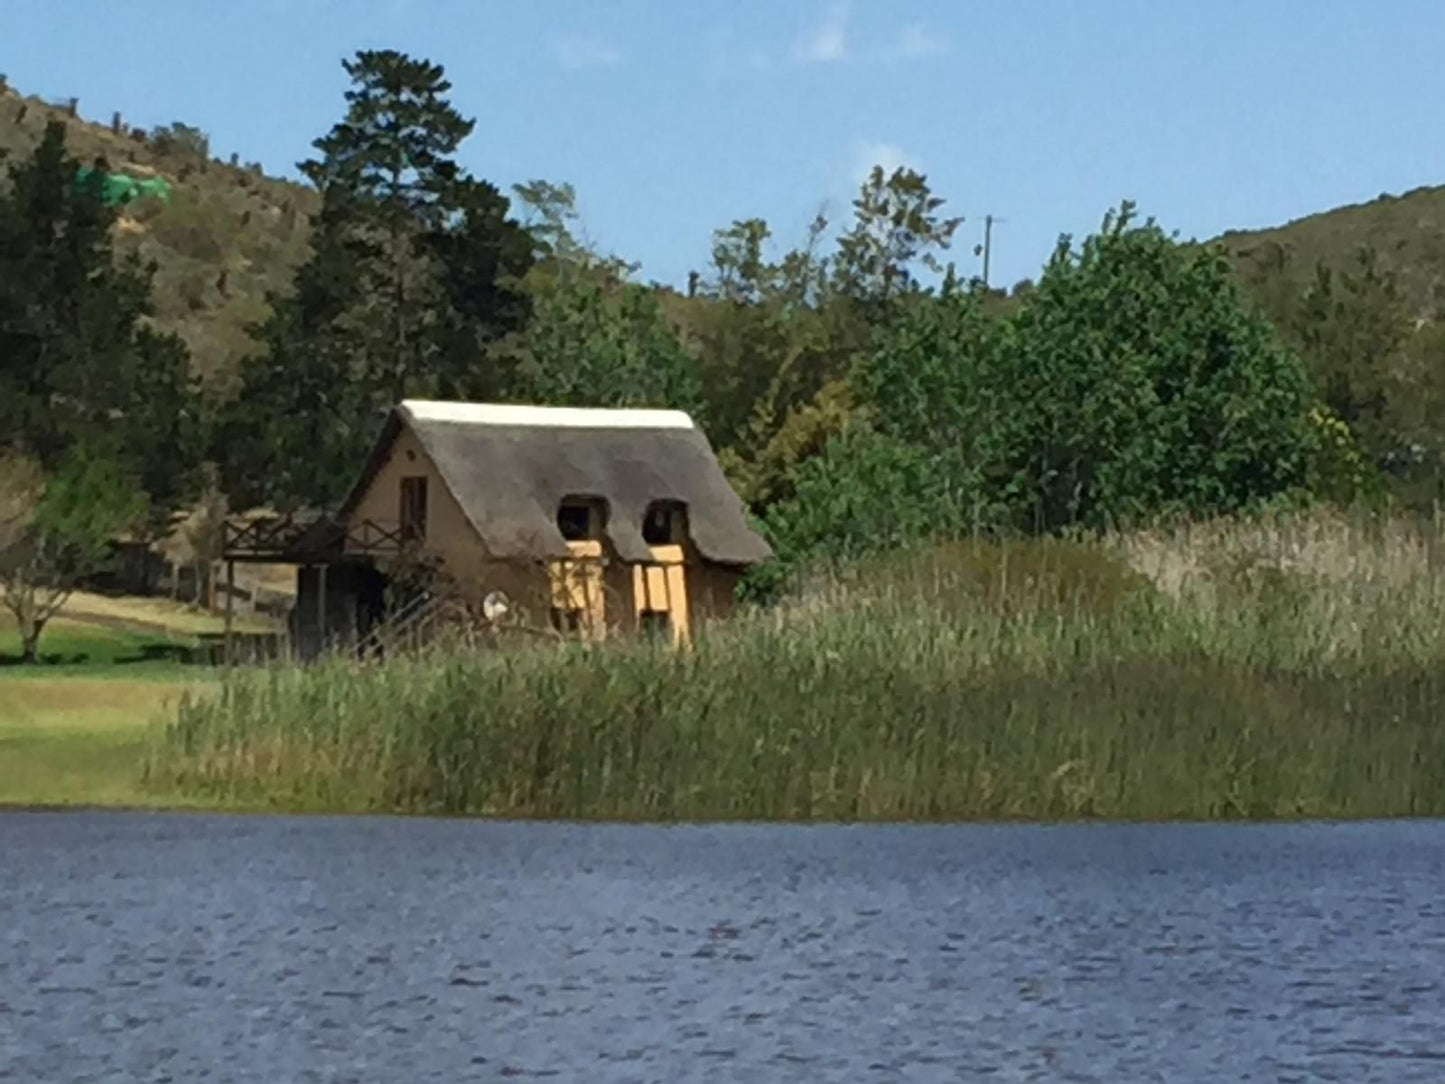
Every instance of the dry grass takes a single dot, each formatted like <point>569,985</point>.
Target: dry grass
<point>1294,668</point>
<point>159,615</point>
<point>1342,547</point>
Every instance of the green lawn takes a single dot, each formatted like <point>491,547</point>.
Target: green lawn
<point>71,648</point>
<point>74,728</point>
<point>77,738</point>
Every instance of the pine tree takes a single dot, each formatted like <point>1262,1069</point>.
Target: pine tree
<point>78,361</point>
<point>415,270</point>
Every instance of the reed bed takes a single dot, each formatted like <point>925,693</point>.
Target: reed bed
<point>1275,669</point>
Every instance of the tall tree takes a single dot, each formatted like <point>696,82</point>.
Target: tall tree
<point>781,354</point>
<point>482,261</point>
<point>68,308</point>
<point>1132,381</point>
<point>897,225</point>
<point>159,432</point>
<point>79,361</point>
<point>415,272</point>
<point>302,411</point>
<point>742,328</point>
<point>595,345</point>
<point>1138,381</point>
<point>391,155</point>
<point>741,272</point>
<point>774,342</point>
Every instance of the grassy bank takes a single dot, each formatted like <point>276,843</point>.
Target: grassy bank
<point>71,648</point>
<point>74,728</point>
<point>81,739</point>
<point>1279,670</point>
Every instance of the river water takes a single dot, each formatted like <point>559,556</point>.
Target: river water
<point>182,948</point>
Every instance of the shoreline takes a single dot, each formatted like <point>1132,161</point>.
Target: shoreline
<point>264,812</point>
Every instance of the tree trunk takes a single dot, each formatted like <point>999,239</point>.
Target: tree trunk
<point>30,644</point>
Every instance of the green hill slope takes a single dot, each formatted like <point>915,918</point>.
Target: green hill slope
<point>228,235</point>
<point>1407,232</point>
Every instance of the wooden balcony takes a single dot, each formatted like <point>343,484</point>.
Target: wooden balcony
<point>307,540</point>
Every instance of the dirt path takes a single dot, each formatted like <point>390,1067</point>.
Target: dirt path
<point>124,624</point>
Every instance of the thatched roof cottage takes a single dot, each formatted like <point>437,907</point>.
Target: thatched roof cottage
<point>586,521</point>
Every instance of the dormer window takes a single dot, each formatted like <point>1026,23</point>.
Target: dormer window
<point>581,518</point>
<point>665,523</point>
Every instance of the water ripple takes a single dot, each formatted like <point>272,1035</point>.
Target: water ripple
<point>153,947</point>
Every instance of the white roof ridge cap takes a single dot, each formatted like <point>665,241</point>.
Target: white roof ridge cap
<point>520,414</point>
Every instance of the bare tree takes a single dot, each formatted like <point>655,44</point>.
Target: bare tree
<point>202,534</point>
<point>21,487</point>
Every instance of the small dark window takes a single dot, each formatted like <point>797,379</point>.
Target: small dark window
<point>580,519</point>
<point>413,509</point>
<point>663,524</point>
<point>655,624</point>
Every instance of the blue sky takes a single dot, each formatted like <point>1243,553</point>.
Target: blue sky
<point>673,118</point>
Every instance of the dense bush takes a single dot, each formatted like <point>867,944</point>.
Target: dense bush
<point>1132,382</point>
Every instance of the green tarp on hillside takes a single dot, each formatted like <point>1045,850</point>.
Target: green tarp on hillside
<point>119,188</point>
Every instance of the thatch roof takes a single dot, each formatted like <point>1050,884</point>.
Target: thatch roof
<point>510,467</point>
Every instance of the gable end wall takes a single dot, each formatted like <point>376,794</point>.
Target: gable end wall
<point>449,534</point>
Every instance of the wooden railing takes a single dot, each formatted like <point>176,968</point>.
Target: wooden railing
<point>369,536</point>
<point>303,539</point>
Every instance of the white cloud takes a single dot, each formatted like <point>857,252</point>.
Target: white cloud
<point>888,155</point>
<point>827,42</point>
<point>578,51</point>
<point>916,41</point>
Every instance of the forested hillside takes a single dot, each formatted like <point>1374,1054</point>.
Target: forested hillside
<point>242,337</point>
<point>227,235</point>
<point>1407,232</point>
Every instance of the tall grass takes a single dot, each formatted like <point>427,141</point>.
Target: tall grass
<point>1276,669</point>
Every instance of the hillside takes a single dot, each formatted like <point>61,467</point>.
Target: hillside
<point>228,235</point>
<point>1408,233</point>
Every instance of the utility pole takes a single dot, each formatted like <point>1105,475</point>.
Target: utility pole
<point>986,249</point>
<point>987,246</point>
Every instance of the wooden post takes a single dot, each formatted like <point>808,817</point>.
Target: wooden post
<point>320,609</point>
<point>230,606</point>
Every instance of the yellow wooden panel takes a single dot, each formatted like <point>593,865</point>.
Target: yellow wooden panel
<point>677,594</point>
<point>576,586</point>
<point>662,588</point>
<point>666,555</point>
